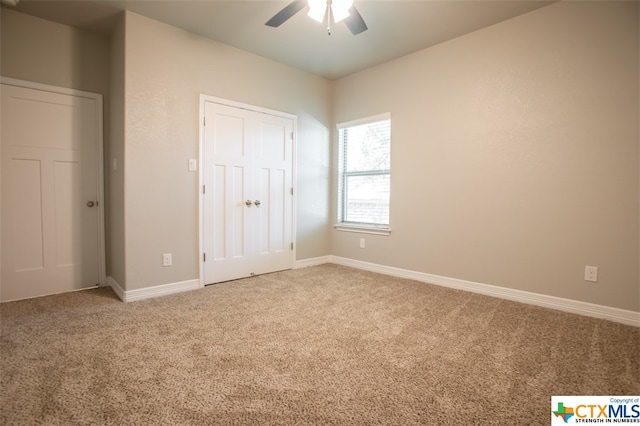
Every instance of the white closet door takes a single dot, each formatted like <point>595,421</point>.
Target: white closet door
<point>247,170</point>
<point>273,157</point>
<point>50,218</point>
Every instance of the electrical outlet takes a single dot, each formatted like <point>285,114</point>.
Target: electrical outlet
<point>166,259</point>
<point>591,273</point>
<point>362,245</point>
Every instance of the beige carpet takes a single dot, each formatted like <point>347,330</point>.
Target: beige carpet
<point>321,345</point>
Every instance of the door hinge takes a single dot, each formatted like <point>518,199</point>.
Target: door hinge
<point>291,190</point>
<point>203,189</point>
<point>204,121</point>
<point>291,246</point>
<point>204,257</point>
<point>291,135</point>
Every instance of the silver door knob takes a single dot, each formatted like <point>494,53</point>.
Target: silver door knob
<point>256,202</point>
<point>90,204</point>
<point>248,203</point>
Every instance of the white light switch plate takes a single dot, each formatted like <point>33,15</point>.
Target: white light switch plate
<point>193,164</point>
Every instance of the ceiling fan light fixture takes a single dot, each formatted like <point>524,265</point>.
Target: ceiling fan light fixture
<point>340,9</point>
<point>317,10</point>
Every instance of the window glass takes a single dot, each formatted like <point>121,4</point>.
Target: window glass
<point>365,172</point>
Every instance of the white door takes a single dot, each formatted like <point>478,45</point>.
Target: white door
<point>248,199</point>
<point>50,181</point>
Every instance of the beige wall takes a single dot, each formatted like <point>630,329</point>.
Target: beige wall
<point>166,70</point>
<point>42,51</point>
<point>514,154</point>
<point>115,161</point>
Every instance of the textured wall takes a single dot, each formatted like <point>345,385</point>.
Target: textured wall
<point>42,51</point>
<point>166,70</point>
<point>115,159</point>
<point>514,154</point>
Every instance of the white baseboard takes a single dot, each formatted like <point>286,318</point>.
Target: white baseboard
<point>313,261</point>
<point>155,291</point>
<point>567,305</point>
<point>117,289</point>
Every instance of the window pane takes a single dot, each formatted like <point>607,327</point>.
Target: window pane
<point>367,147</point>
<point>364,167</point>
<point>367,199</point>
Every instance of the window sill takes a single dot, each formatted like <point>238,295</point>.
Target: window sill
<point>362,229</point>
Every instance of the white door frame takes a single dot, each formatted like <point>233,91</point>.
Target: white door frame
<point>226,102</point>
<point>102,275</point>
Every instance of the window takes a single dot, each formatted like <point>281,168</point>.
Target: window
<point>364,180</point>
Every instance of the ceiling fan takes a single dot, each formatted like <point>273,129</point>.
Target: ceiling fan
<point>336,10</point>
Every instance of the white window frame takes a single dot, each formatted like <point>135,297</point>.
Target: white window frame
<point>357,227</point>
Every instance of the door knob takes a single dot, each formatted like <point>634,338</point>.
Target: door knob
<point>248,203</point>
<point>256,202</point>
<point>91,203</point>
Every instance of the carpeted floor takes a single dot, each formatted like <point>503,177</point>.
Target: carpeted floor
<point>320,345</point>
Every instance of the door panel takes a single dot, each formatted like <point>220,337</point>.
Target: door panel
<point>237,237</point>
<point>217,211</point>
<point>247,217</point>
<point>58,125</point>
<point>67,213</point>
<point>50,170</point>
<point>26,216</point>
<point>229,136</point>
<point>273,141</point>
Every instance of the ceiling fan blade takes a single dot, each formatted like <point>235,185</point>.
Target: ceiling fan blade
<point>286,13</point>
<point>355,22</point>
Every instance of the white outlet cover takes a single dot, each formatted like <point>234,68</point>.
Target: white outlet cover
<point>193,164</point>
<point>591,274</point>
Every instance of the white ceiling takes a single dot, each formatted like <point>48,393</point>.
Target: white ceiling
<point>396,27</point>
